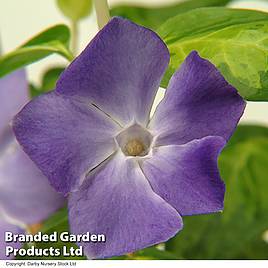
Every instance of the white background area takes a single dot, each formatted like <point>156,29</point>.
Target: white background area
<point>142,264</point>
<point>21,19</point>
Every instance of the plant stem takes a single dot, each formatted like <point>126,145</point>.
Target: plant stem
<point>102,12</point>
<point>74,45</point>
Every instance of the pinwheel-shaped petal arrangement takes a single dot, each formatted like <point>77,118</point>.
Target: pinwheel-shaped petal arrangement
<point>26,196</point>
<point>128,176</point>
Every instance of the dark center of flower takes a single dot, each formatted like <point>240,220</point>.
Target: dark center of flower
<point>134,141</point>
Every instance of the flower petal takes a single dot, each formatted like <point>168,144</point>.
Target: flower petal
<point>25,193</point>
<point>119,71</point>
<point>65,138</point>
<point>118,201</point>
<point>198,103</point>
<point>13,95</point>
<point>8,227</point>
<point>187,177</point>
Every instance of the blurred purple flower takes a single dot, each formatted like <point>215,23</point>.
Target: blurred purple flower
<point>131,177</point>
<point>26,196</point>
<point>5,226</point>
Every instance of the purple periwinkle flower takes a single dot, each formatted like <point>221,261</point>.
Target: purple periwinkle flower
<point>128,176</point>
<point>26,196</point>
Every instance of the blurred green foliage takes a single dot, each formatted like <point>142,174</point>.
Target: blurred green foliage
<point>75,10</point>
<point>236,41</point>
<point>48,83</point>
<point>152,253</point>
<point>153,17</point>
<point>53,40</point>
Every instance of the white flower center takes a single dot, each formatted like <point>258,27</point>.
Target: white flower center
<point>134,141</point>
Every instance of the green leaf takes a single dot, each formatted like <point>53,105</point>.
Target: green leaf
<point>246,132</point>
<point>237,233</point>
<point>58,32</point>
<point>52,40</point>
<point>58,221</point>
<point>49,80</point>
<point>155,16</point>
<point>75,10</point>
<point>34,91</point>
<point>236,41</point>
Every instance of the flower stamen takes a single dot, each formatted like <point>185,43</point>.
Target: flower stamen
<point>134,141</point>
<point>134,147</point>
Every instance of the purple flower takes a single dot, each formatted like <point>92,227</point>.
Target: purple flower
<point>26,196</point>
<point>129,177</point>
<point>5,226</point>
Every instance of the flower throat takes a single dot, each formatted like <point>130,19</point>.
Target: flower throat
<point>134,141</point>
